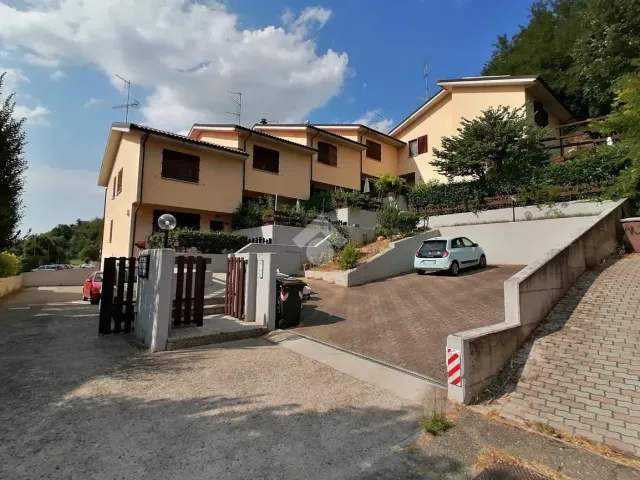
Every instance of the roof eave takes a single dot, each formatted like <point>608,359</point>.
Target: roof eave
<point>110,151</point>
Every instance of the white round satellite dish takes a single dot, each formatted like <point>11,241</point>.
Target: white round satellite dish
<point>167,221</point>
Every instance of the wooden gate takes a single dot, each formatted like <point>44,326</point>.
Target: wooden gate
<point>234,295</point>
<point>188,307</point>
<point>117,296</point>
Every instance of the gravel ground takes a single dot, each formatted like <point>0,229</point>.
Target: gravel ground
<point>75,405</point>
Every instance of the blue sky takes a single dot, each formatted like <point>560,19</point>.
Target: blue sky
<point>331,61</point>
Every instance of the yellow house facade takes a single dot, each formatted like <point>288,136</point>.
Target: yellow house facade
<point>202,177</point>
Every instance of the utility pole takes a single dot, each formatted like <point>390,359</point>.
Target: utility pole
<point>129,104</point>
<point>237,98</point>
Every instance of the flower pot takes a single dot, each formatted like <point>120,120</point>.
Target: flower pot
<point>632,229</point>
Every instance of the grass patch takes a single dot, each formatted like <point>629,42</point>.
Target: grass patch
<point>435,423</point>
<point>490,456</point>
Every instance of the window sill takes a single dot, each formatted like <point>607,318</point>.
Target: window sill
<point>265,171</point>
<point>181,181</point>
<point>374,159</point>
<point>326,164</point>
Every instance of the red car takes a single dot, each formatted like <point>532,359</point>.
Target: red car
<point>91,288</point>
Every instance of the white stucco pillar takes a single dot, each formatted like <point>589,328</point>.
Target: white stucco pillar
<point>153,319</point>
<point>265,310</point>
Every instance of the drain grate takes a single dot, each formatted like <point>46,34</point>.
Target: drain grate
<point>507,471</point>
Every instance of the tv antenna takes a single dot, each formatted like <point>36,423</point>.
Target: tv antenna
<point>425,74</point>
<point>129,104</point>
<point>237,98</point>
<point>374,123</point>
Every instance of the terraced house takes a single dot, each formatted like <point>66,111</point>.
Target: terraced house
<point>202,177</point>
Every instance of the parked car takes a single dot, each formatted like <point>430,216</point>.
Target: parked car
<point>92,288</point>
<point>67,266</point>
<point>86,265</point>
<point>450,254</point>
<point>48,268</point>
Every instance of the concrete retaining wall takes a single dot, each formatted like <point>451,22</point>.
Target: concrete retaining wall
<point>363,218</point>
<point>9,285</point>
<point>529,297</point>
<point>521,213</point>
<point>397,259</point>
<point>288,258</point>
<point>520,243</point>
<point>57,278</point>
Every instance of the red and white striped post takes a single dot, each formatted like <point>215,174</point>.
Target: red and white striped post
<point>454,367</point>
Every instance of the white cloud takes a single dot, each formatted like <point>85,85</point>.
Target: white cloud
<point>57,75</point>
<point>40,61</point>
<point>188,54</point>
<point>74,191</point>
<point>36,116</point>
<point>374,119</point>
<point>92,102</point>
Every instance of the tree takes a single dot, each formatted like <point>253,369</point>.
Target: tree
<point>12,171</point>
<point>607,49</point>
<point>626,121</point>
<point>501,144</point>
<point>545,47</point>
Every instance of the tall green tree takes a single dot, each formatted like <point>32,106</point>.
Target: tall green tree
<point>545,47</point>
<point>12,171</point>
<point>607,49</point>
<point>502,143</point>
<point>625,121</point>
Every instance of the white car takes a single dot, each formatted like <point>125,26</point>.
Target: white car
<point>450,254</point>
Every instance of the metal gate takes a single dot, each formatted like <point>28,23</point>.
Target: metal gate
<point>234,295</point>
<point>188,306</point>
<point>117,295</point>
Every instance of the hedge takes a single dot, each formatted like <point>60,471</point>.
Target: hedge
<point>589,169</point>
<point>9,265</point>
<point>205,241</point>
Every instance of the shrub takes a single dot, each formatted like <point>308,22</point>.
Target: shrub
<point>390,184</point>
<point>251,213</point>
<point>391,221</point>
<point>435,423</point>
<point>206,241</point>
<point>320,200</point>
<point>348,256</point>
<point>353,199</point>
<point>9,265</point>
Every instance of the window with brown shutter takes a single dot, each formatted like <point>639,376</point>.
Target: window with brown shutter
<point>418,146</point>
<point>180,166</point>
<point>115,181</point>
<point>327,154</point>
<point>119,189</point>
<point>266,159</point>
<point>110,230</point>
<point>374,150</point>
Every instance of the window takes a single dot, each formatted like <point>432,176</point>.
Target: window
<point>266,159</point>
<point>431,247</point>
<point>110,230</point>
<point>418,146</point>
<point>180,166</point>
<point>466,242</point>
<point>456,243</point>
<point>327,154</point>
<point>119,189</point>
<point>115,180</point>
<point>216,226</point>
<point>541,117</point>
<point>374,150</point>
<point>183,220</point>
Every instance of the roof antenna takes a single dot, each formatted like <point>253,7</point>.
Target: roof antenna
<point>128,105</point>
<point>237,98</point>
<point>374,123</point>
<point>425,74</point>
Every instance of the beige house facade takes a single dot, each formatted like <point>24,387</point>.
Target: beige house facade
<point>202,177</point>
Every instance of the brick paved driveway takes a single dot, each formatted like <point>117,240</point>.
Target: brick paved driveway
<point>581,371</point>
<point>405,320</point>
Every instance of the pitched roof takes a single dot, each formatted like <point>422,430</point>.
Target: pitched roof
<point>253,131</point>
<point>492,80</point>
<point>176,136</point>
<point>305,126</point>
